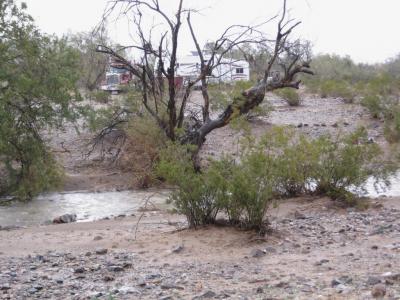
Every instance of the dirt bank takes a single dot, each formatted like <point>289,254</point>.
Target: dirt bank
<point>315,251</point>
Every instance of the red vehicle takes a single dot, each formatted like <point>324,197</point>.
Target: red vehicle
<point>116,78</point>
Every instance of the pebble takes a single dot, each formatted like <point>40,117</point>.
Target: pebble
<point>101,251</point>
<point>378,291</point>
<point>257,253</point>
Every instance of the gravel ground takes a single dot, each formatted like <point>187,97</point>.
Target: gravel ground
<point>315,251</point>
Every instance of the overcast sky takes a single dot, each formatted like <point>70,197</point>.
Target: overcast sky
<point>367,30</point>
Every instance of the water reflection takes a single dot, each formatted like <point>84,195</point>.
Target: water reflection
<point>87,206</point>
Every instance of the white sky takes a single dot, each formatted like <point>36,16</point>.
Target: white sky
<point>367,30</point>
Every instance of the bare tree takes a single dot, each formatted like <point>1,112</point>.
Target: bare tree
<point>156,69</point>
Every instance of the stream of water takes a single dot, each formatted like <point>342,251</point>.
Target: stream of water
<point>94,206</point>
<point>87,206</point>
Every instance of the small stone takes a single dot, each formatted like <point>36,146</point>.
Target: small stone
<point>373,280</point>
<point>115,268</point>
<point>101,251</point>
<point>321,262</point>
<point>108,278</point>
<point>378,291</point>
<point>67,218</point>
<point>270,250</point>
<point>79,270</point>
<point>128,290</point>
<point>171,287</point>
<point>299,216</point>
<point>374,247</point>
<point>5,287</point>
<point>177,249</point>
<point>97,238</point>
<point>335,125</point>
<point>257,253</point>
<point>259,290</point>
<point>206,295</point>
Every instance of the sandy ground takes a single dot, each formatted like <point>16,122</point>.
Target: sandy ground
<point>315,251</point>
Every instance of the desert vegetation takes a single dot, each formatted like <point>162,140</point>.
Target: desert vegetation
<point>248,169</point>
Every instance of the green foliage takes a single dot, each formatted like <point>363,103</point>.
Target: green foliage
<point>100,96</point>
<point>291,96</point>
<point>281,164</point>
<point>346,163</point>
<point>144,141</point>
<point>37,86</point>
<point>92,65</point>
<point>374,104</point>
<point>223,94</point>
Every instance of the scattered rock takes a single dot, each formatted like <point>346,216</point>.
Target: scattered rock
<point>378,291</point>
<point>299,216</point>
<point>257,253</point>
<point>171,287</point>
<point>206,295</point>
<point>178,249</point>
<point>373,280</point>
<point>321,262</point>
<point>101,251</point>
<point>67,218</point>
<point>79,270</point>
<point>108,278</point>
<point>97,238</point>
<point>115,268</point>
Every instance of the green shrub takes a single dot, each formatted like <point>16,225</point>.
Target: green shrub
<point>392,123</point>
<point>338,89</point>
<point>345,164</point>
<point>144,141</point>
<point>373,104</point>
<point>100,96</point>
<point>281,164</point>
<point>196,196</point>
<point>291,96</point>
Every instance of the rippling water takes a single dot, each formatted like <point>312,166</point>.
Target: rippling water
<point>87,206</point>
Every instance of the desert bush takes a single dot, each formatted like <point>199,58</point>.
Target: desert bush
<point>281,164</point>
<point>196,196</point>
<point>140,153</point>
<point>100,96</point>
<point>338,89</point>
<point>392,122</point>
<point>345,164</point>
<point>290,95</point>
<point>374,105</point>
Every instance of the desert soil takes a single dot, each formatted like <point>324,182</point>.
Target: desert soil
<point>314,250</point>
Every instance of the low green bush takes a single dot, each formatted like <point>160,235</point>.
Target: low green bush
<point>344,165</point>
<point>338,89</point>
<point>281,164</point>
<point>291,96</point>
<point>100,96</point>
<point>374,105</point>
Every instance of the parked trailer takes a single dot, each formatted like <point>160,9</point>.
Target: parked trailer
<point>116,78</point>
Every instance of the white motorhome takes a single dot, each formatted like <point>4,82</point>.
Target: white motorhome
<point>230,70</point>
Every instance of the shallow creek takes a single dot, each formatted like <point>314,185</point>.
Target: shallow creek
<point>94,206</point>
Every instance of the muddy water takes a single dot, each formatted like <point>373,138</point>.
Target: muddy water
<point>94,206</point>
<point>87,206</point>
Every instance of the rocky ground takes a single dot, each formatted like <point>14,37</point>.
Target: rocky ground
<point>314,251</point>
